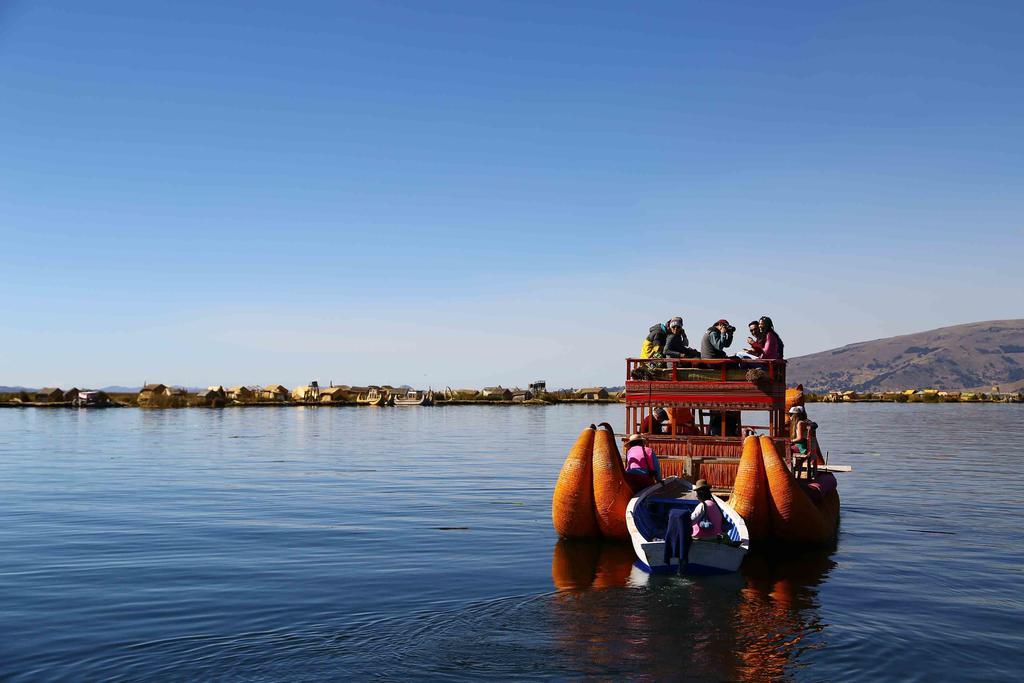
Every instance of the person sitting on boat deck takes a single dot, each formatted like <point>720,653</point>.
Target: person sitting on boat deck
<point>755,341</point>
<point>676,344</point>
<point>654,342</point>
<point>800,429</point>
<point>642,466</point>
<point>772,347</point>
<point>707,516</point>
<point>716,340</point>
<point>657,422</point>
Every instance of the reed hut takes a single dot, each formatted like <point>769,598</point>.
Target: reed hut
<point>211,396</point>
<point>48,395</point>
<point>240,394</point>
<point>305,393</point>
<point>274,392</point>
<point>150,395</point>
<point>71,394</point>
<point>521,395</point>
<point>592,393</point>
<point>334,395</point>
<point>497,393</point>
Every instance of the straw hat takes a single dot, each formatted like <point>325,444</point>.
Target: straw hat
<point>635,438</point>
<point>701,484</point>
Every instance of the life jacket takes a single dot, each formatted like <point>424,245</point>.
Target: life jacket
<point>640,458</point>
<point>713,514</point>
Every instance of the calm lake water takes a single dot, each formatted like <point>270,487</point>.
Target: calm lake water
<point>312,544</point>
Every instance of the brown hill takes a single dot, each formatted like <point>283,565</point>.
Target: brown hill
<point>973,356</point>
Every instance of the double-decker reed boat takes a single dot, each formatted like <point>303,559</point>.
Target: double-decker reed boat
<point>415,398</point>
<point>724,421</point>
<point>375,397</point>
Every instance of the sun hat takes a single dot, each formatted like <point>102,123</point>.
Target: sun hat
<point>635,438</point>
<point>701,484</point>
<point>796,410</point>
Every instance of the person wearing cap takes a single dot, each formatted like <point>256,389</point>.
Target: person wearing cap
<point>676,344</point>
<point>658,422</point>
<point>716,340</point>
<point>642,466</point>
<point>707,516</point>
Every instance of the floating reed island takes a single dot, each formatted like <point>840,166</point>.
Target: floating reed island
<point>159,396</point>
<point>171,396</point>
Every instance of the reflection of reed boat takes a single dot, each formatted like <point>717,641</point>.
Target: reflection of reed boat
<point>415,398</point>
<point>647,519</point>
<point>374,397</point>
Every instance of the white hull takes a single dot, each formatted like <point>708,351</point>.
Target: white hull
<point>706,555</point>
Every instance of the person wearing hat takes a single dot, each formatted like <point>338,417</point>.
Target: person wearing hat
<point>642,466</point>
<point>707,516</point>
<point>676,344</point>
<point>800,429</point>
<point>716,340</point>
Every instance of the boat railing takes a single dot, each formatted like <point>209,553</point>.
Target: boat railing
<point>703,370</point>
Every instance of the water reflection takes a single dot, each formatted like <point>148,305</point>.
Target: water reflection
<point>753,625</point>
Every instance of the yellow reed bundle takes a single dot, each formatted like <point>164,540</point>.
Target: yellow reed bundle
<point>794,397</point>
<point>572,506</point>
<point>750,491</point>
<point>794,517</point>
<point>611,490</point>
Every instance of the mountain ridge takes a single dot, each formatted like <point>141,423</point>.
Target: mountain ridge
<point>970,356</point>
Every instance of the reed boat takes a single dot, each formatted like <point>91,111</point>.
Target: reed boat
<point>647,518</point>
<point>722,420</point>
<point>415,398</point>
<point>374,397</point>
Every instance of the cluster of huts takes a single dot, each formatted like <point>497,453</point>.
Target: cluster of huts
<point>161,395</point>
<point>919,396</point>
<point>57,396</point>
<point>168,396</point>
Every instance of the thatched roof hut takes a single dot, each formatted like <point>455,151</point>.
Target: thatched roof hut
<point>240,393</point>
<point>592,393</point>
<point>305,393</point>
<point>275,392</point>
<point>334,395</point>
<point>149,396</point>
<point>48,395</point>
<point>497,393</point>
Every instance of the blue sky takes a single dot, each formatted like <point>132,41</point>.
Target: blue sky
<point>469,193</point>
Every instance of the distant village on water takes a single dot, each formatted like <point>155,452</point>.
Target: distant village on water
<point>312,394</point>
